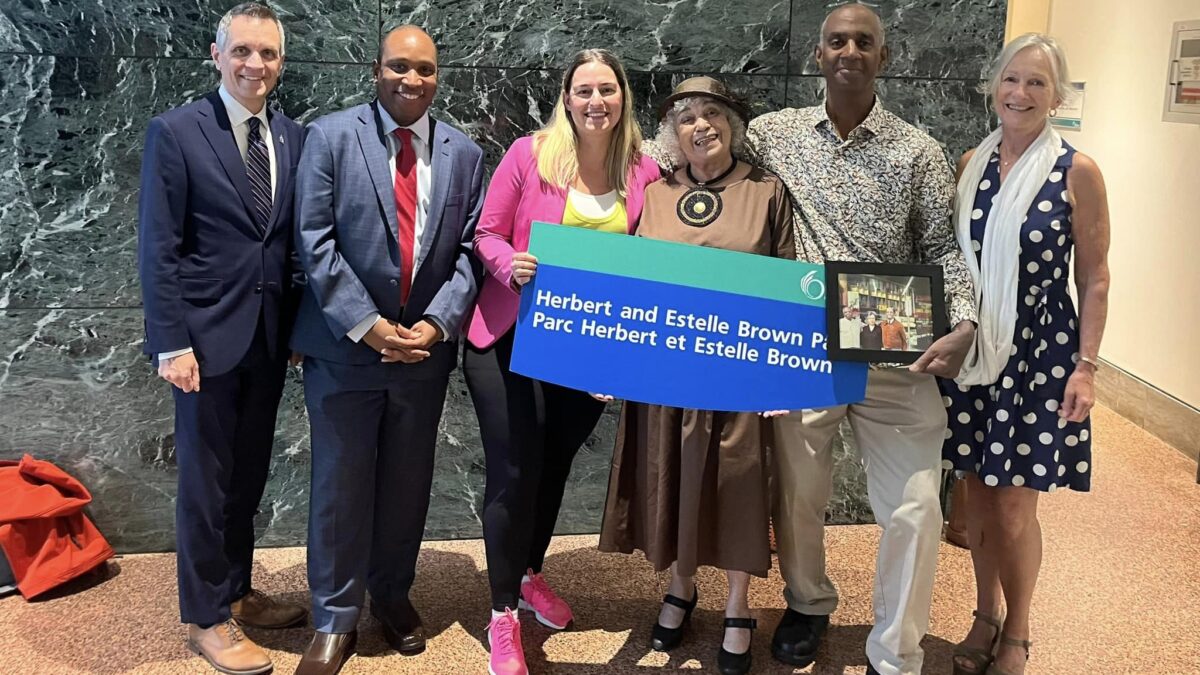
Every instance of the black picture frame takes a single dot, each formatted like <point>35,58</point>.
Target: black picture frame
<point>914,293</point>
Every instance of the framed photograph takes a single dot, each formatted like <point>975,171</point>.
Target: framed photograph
<point>881,312</point>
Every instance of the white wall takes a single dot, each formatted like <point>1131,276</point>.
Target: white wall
<point>1026,16</point>
<point>1152,169</point>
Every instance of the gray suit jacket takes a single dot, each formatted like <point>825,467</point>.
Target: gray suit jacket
<point>346,238</point>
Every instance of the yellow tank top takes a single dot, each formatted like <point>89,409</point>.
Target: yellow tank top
<point>605,213</point>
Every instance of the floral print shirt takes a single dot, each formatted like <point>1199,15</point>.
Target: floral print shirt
<point>884,194</point>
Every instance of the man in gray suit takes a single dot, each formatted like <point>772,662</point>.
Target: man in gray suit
<point>386,207</point>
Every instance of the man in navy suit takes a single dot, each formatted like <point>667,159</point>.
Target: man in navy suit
<point>387,199</point>
<point>220,291</point>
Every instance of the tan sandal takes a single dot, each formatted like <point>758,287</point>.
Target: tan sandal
<point>1012,642</point>
<point>979,660</point>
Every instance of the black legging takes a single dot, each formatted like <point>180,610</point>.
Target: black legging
<point>531,431</point>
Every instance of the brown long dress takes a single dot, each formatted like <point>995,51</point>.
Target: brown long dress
<point>691,486</point>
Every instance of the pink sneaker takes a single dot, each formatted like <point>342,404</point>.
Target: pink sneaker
<point>504,640</point>
<point>549,609</point>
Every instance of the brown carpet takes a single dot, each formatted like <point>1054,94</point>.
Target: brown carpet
<point>1119,593</point>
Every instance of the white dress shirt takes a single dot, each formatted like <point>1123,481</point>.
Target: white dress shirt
<point>850,333</point>
<point>238,121</point>
<point>421,144</point>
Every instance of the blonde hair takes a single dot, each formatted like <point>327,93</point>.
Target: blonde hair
<point>1043,43</point>
<point>556,145</point>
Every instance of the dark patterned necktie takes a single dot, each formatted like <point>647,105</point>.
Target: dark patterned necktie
<point>258,168</point>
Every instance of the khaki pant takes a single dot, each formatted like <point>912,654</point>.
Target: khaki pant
<point>899,430</point>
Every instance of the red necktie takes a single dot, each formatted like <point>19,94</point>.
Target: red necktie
<point>405,188</point>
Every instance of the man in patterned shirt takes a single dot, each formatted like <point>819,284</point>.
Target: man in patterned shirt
<point>866,186</point>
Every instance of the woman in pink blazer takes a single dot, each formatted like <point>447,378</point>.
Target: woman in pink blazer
<point>585,169</point>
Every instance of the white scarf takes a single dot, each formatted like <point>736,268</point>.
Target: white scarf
<point>997,273</point>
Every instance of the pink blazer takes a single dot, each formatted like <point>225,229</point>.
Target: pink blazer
<point>515,198</point>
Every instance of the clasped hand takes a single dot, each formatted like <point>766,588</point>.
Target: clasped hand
<point>398,344</point>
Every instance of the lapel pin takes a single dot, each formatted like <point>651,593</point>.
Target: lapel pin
<point>281,139</point>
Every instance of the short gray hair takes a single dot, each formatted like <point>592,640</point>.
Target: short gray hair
<point>668,129</point>
<point>1054,54</point>
<point>253,10</point>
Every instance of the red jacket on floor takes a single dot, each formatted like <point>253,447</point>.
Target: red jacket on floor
<point>43,531</point>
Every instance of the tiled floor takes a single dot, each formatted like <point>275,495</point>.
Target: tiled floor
<point>1119,593</point>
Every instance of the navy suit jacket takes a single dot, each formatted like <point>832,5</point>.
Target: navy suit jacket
<point>346,238</point>
<point>208,269</point>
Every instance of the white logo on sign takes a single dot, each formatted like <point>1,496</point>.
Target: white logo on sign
<point>813,287</point>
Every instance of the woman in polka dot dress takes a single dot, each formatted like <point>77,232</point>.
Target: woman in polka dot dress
<point>1020,425</point>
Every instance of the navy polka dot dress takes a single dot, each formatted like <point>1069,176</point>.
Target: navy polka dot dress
<point>1009,432</point>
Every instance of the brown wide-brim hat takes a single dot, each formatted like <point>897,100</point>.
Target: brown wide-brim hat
<point>703,86</point>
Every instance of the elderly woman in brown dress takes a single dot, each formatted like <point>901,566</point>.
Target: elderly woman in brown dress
<point>689,487</point>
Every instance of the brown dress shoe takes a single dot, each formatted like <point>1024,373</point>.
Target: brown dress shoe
<point>259,610</point>
<point>227,649</point>
<point>406,634</point>
<point>327,653</point>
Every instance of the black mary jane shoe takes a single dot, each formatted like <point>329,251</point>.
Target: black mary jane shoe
<point>663,639</point>
<point>735,664</point>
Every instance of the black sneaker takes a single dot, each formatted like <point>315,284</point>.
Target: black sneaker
<point>797,637</point>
